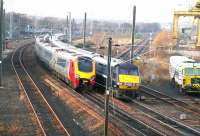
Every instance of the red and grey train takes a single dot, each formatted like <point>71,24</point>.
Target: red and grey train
<point>74,68</point>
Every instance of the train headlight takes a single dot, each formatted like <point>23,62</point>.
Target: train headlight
<point>184,81</point>
<point>118,83</point>
<point>93,78</point>
<point>77,76</point>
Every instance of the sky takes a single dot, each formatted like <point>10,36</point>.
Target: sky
<point>120,10</point>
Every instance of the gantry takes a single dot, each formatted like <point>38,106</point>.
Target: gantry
<point>193,12</point>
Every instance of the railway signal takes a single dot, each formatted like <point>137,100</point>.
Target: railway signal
<point>108,86</point>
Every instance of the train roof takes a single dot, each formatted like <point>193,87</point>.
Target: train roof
<point>103,60</point>
<point>58,43</point>
<point>96,57</point>
<point>61,52</point>
<point>182,61</point>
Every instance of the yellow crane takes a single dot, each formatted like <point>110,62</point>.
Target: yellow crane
<point>193,12</point>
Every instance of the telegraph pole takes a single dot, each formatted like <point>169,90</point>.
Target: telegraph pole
<point>1,40</point>
<point>67,29</point>
<point>84,30</point>
<point>70,29</point>
<point>108,86</point>
<point>133,33</point>
<point>4,30</point>
<point>11,26</point>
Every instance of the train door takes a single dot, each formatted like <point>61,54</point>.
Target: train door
<point>61,65</point>
<point>65,71</point>
<point>72,75</point>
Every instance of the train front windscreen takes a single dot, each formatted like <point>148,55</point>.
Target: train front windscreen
<point>128,71</point>
<point>192,71</point>
<point>85,64</point>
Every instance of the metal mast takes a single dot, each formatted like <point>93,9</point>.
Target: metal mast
<point>108,86</point>
<point>133,33</point>
<point>84,30</point>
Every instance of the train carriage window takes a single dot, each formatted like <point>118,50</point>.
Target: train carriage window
<point>48,55</point>
<point>101,69</point>
<point>61,62</point>
<point>114,72</point>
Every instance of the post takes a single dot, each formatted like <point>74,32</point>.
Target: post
<point>67,29</point>
<point>133,33</point>
<point>108,83</point>
<point>84,30</point>
<point>198,34</point>
<point>70,29</point>
<point>3,30</point>
<point>1,40</point>
<point>11,26</point>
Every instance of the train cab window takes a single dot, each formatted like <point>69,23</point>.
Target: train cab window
<point>61,62</point>
<point>85,64</point>
<point>192,71</point>
<point>198,72</point>
<point>189,71</point>
<point>128,71</point>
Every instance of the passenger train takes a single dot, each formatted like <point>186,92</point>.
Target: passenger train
<point>125,76</point>
<point>72,67</point>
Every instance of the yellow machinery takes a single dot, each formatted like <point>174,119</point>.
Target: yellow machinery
<point>194,12</point>
<point>185,73</point>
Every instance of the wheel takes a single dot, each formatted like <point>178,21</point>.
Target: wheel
<point>117,95</point>
<point>136,95</point>
<point>173,84</point>
<point>71,85</point>
<point>180,89</point>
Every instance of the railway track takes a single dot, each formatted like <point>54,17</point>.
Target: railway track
<point>129,108</point>
<point>46,118</point>
<point>170,100</point>
<point>138,121</point>
<point>170,122</point>
<point>187,130</point>
<point>116,125</point>
<point>141,47</point>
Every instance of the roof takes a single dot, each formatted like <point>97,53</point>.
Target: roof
<point>182,61</point>
<point>61,52</point>
<point>96,57</point>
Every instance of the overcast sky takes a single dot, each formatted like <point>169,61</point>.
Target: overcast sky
<point>147,10</point>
